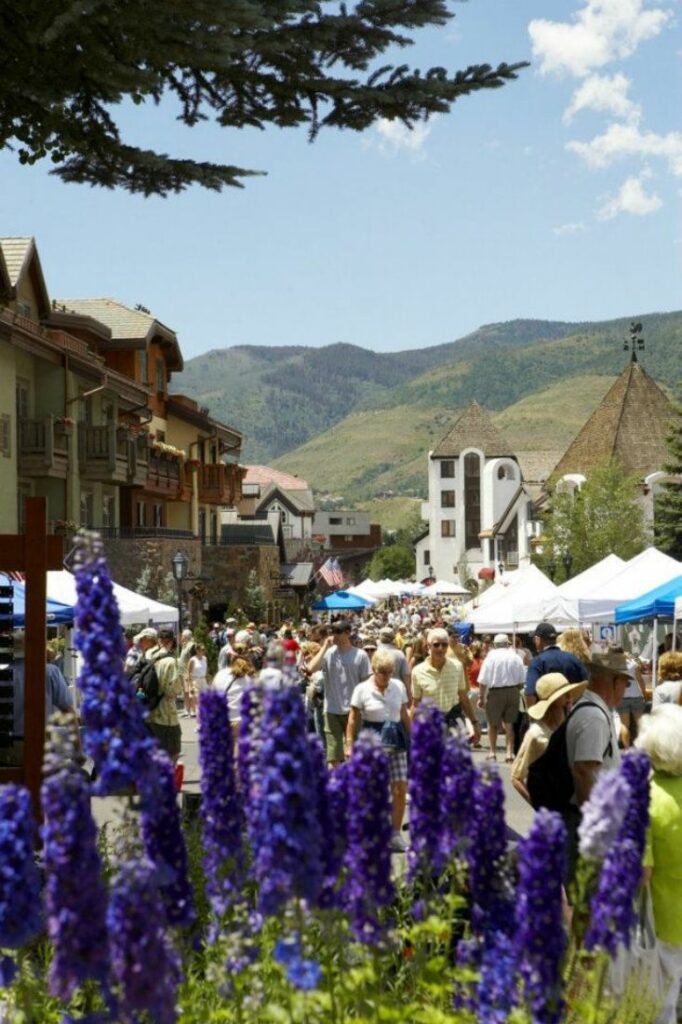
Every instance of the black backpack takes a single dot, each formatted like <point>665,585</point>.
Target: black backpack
<point>550,779</point>
<point>145,681</point>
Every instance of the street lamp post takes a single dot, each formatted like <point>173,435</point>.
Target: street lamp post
<point>180,565</point>
<point>567,559</point>
<point>551,568</point>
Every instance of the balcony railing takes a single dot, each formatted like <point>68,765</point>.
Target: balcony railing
<point>103,452</point>
<point>165,474</point>
<point>143,532</point>
<point>43,447</point>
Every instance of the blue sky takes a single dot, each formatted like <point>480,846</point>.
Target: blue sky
<point>555,197</point>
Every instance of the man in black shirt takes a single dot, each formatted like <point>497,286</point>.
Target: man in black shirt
<point>550,659</point>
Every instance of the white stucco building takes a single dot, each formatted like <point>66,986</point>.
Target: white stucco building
<point>479,509</point>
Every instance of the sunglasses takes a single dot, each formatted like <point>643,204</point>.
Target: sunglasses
<point>440,643</point>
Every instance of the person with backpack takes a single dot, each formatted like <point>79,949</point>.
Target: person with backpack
<point>158,685</point>
<point>582,746</point>
<point>555,695</point>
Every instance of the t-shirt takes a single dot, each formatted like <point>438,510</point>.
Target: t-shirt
<point>375,706</point>
<point>342,673</point>
<point>667,693</point>
<point>501,668</point>
<point>554,660</point>
<point>589,733</point>
<point>232,687</point>
<point>533,746</point>
<point>632,689</point>
<point>664,854</point>
<point>441,687</point>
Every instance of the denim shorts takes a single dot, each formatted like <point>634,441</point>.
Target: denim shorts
<point>631,705</point>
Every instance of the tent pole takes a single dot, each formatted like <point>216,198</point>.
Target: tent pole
<point>654,660</point>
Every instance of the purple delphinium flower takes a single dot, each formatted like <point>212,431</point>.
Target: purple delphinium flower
<point>304,974</point>
<point>116,737</point>
<point>540,936</point>
<point>286,837</point>
<point>612,908</point>
<point>426,755</point>
<point>221,810</point>
<point>497,988</point>
<point>602,815</point>
<point>163,838</point>
<point>20,906</point>
<point>457,779</point>
<point>248,752</point>
<point>491,905</point>
<point>368,886</point>
<point>143,962</point>
<point>74,892</point>
<point>331,802</point>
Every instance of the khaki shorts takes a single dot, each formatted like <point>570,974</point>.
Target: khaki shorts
<point>335,736</point>
<point>502,705</point>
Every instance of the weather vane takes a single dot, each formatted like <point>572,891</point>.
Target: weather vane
<point>635,343</point>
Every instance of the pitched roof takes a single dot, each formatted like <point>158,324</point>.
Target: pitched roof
<point>629,425</point>
<point>125,324</point>
<point>296,574</point>
<point>298,500</point>
<point>473,429</point>
<point>19,255</point>
<point>265,475</point>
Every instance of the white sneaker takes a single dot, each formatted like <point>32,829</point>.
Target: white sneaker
<point>398,843</point>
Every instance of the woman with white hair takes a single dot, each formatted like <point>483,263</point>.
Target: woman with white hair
<point>660,735</point>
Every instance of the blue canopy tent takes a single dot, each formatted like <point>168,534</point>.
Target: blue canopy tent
<point>57,614</point>
<point>340,601</point>
<point>658,603</point>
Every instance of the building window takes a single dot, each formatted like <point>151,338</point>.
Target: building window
<point>447,469</point>
<point>23,392</point>
<point>108,413</point>
<point>87,509</point>
<point>505,473</point>
<point>447,499</point>
<point>23,492</point>
<point>426,556</point>
<point>144,368</point>
<point>472,500</point>
<point>285,517</point>
<point>350,537</point>
<point>161,436</point>
<point>214,527</point>
<point>108,511</point>
<point>24,309</point>
<point>158,515</point>
<point>202,525</point>
<point>5,436</point>
<point>447,528</point>
<point>350,520</point>
<point>335,520</point>
<point>160,377</point>
<point>141,509</point>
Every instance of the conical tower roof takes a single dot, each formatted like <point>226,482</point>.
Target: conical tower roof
<point>473,429</point>
<point>629,426</point>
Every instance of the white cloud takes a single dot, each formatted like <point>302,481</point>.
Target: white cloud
<point>625,140</point>
<point>603,31</point>
<point>605,94</point>
<point>572,228</point>
<point>395,136</point>
<point>630,198</point>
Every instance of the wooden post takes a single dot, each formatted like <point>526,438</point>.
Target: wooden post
<point>32,553</point>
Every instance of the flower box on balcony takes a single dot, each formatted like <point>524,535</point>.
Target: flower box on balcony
<point>193,463</point>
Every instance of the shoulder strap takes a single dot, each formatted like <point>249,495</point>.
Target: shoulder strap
<point>593,704</point>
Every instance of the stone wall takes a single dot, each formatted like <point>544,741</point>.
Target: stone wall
<point>127,557</point>
<point>228,567</point>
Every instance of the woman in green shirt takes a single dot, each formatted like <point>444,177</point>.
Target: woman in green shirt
<point>660,735</point>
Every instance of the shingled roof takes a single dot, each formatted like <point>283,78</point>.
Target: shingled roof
<point>629,426</point>
<point>473,429</point>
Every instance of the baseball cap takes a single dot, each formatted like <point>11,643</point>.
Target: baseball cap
<point>500,640</point>
<point>146,634</point>
<point>545,630</point>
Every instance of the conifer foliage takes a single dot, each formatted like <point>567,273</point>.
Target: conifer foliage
<point>67,64</point>
<point>668,503</point>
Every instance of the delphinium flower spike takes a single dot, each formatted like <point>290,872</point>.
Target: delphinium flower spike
<point>491,903</point>
<point>540,937</point>
<point>457,779</point>
<point>286,838</point>
<point>144,966</point>
<point>496,993</point>
<point>602,815</point>
<point>74,891</point>
<point>20,906</point>
<point>248,753</point>
<point>331,789</point>
<point>221,810</point>
<point>428,735</point>
<point>612,909</point>
<point>116,737</point>
<point>164,840</point>
<point>368,885</point>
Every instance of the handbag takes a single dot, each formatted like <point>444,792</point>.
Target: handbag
<point>639,968</point>
<point>454,717</point>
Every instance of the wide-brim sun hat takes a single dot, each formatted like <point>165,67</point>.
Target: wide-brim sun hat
<point>549,688</point>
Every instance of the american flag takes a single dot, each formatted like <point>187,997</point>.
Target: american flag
<point>18,577</point>
<point>337,573</point>
<point>326,571</point>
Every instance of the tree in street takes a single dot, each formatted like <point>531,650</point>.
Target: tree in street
<point>395,562</point>
<point>606,515</point>
<point>668,502</point>
<point>67,64</point>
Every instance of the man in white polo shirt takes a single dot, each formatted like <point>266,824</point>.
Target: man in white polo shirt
<point>500,680</point>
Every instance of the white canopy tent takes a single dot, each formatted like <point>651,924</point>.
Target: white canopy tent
<point>134,609</point>
<point>442,588</point>
<point>562,609</point>
<point>518,608</point>
<point>644,572</point>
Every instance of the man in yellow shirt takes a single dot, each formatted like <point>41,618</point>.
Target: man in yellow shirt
<point>440,680</point>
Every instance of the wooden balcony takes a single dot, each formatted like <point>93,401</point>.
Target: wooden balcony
<point>43,448</point>
<point>138,461</point>
<point>165,475</point>
<point>103,452</point>
<point>219,484</point>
